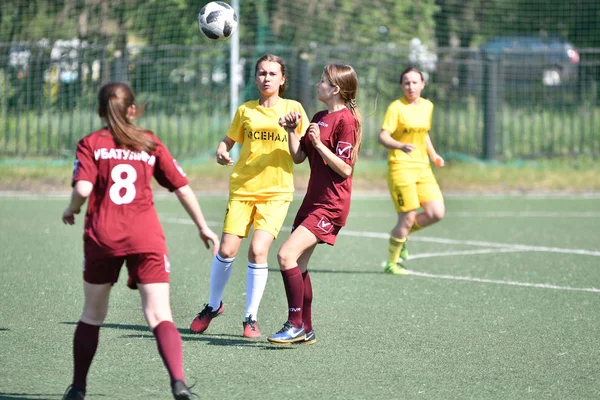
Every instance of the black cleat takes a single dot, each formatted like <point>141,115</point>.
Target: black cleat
<point>181,391</point>
<point>73,393</point>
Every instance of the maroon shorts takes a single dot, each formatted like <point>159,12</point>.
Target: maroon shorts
<point>320,226</point>
<point>142,268</point>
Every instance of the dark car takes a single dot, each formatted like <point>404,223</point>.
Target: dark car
<point>551,61</point>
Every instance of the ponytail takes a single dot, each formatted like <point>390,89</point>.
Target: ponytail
<point>114,102</point>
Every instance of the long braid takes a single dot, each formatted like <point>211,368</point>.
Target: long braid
<point>344,76</point>
<point>352,106</point>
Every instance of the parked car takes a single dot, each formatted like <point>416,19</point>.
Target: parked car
<point>527,59</point>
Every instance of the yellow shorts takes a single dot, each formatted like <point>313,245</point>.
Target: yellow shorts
<point>267,216</point>
<point>411,187</point>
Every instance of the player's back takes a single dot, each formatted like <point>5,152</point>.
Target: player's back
<point>121,218</point>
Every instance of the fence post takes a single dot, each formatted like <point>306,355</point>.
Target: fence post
<point>490,105</point>
<point>305,94</point>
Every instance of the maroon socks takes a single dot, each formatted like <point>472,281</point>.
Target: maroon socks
<point>307,303</point>
<point>294,290</point>
<point>169,345</point>
<point>85,344</point>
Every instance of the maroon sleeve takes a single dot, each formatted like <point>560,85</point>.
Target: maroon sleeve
<point>345,140</point>
<point>166,170</point>
<point>85,168</point>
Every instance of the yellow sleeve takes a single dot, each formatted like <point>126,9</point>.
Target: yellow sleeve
<point>391,119</point>
<point>236,130</point>
<point>431,116</point>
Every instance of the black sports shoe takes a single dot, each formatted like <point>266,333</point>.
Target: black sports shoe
<point>181,391</point>
<point>74,394</point>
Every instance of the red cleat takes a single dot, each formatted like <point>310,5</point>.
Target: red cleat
<point>251,328</point>
<point>202,320</point>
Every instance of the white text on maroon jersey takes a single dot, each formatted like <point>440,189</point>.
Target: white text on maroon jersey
<point>122,154</point>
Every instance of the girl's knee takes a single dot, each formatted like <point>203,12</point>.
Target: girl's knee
<point>285,259</point>
<point>435,212</point>
<point>258,254</point>
<point>226,251</point>
<point>94,316</point>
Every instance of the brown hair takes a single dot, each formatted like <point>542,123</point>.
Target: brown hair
<point>278,60</point>
<point>411,69</point>
<point>344,77</point>
<point>114,100</point>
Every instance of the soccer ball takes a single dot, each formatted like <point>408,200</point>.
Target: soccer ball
<point>217,20</point>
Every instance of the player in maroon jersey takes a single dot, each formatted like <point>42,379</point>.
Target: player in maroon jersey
<point>114,168</point>
<point>331,144</point>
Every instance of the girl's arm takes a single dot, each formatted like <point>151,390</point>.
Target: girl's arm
<point>223,148</point>
<point>188,200</point>
<point>81,191</point>
<point>435,157</point>
<point>290,123</point>
<point>335,163</point>
<point>385,138</point>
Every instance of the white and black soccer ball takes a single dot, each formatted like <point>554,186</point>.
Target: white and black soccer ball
<point>217,20</point>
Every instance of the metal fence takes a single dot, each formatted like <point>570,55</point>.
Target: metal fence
<point>504,106</point>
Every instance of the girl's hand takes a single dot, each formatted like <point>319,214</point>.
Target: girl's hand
<point>68,216</point>
<point>209,237</point>
<point>407,147</point>
<point>290,121</point>
<point>314,134</point>
<point>223,158</point>
<point>438,161</point>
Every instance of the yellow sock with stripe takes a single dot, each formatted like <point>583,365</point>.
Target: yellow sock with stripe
<point>415,227</point>
<point>395,245</point>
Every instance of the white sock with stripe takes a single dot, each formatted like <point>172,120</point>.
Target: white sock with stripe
<point>256,281</point>
<point>219,276</point>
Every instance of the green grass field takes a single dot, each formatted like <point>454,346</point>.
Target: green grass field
<point>502,303</point>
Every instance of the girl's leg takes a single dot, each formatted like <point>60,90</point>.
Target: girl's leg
<point>219,276</point>
<point>221,268</point>
<point>292,261</point>
<point>399,234</point>
<point>85,341</point>
<point>157,311</point>
<point>433,211</point>
<point>308,293</point>
<point>258,272</point>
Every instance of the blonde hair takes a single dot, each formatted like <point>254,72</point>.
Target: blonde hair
<point>114,100</point>
<point>344,77</point>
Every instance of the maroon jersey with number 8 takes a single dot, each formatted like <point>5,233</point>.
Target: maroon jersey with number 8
<point>121,218</point>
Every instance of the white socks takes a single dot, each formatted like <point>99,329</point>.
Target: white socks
<point>220,273</point>
<point>256,281</point>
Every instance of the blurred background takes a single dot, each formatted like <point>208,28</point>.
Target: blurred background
<point>510,79</point>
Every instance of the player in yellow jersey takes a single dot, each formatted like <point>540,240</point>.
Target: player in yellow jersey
<point>405,133</point>
<point>261,188</point>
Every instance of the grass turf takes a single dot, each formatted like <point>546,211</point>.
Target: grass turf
<point>468,327</point>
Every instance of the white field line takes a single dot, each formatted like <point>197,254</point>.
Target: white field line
<point>516,247</point>
<point>462,253</point>
<point>500,282</point>
<point>475,196</point>
<point>492,248</point>
<point>492,214</point>
<point>477,243</point>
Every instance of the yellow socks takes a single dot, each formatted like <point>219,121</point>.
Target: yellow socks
<point>415,227</point>
<point>394,248</point>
